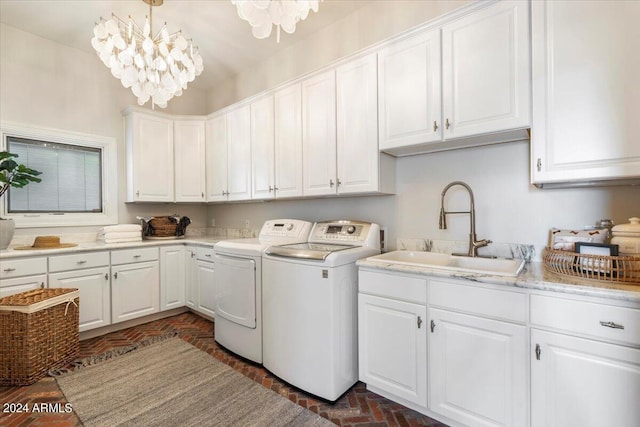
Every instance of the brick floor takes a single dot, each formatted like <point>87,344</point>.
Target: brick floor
<point>357,408</point>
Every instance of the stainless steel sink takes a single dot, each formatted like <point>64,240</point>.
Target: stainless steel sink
<point>439,261</point>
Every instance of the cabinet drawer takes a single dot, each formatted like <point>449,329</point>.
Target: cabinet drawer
<point>506,305</point>
<point>404,288</point>
<point>22,267</point>
<point>597,320</point>
<point>204,253</point>
<point>22,284</point>
<point>77,261</point>
<point>134,255</point>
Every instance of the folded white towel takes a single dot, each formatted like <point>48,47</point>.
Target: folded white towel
<point>119,235</point>
<point>131,239</point>
<point>121,227</point>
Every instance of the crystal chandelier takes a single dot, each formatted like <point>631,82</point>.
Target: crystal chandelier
<point>156,68</point>
<point>263,14</point>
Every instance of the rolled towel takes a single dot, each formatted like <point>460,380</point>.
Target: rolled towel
<point>121,227</point>
<point>120,235</point>
<point>131,239</point>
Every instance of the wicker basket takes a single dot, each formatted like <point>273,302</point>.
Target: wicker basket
<point>38,332</point>
<point>163,226</point>
<point>613,269</point>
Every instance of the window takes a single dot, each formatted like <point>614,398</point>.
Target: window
<point>78,178</point>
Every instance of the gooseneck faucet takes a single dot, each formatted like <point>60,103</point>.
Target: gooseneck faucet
<point>473,243</point>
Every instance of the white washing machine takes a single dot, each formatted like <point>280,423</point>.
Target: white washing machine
<point>238,285</point>
<point>310,307</point>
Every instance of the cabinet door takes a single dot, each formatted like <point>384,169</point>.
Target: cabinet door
<point>262,149</point>
<point>239,153</point>
<point>319,134</point>
<point>582,383</point>
<point>190,160</point>
<point>288,144</point>
<point>22,284</point>
<point>586,97</point>
<point>172,277</point>
<point>357,126</point>
<point>95,294</point>
<point>477,370</point>
<point>150,158</point>
<point>135,290</point>
<point>486,71</point>
<point>191,277</point>
<point>392,347</point>
<point>410,91</point>
<point>206,288</point>
<point>216,143</point>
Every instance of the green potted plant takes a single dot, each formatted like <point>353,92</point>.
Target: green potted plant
<point>15,175</point>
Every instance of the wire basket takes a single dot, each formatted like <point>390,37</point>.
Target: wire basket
<point>613,269</point>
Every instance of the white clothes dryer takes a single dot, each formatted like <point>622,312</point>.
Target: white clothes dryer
<point>238,285</point>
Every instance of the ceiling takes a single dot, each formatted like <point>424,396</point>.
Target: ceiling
<point>223,38</point>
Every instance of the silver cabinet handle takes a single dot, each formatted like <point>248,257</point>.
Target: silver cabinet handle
<point>270,189</point>
<point>138,193</point>
<point>338,182</point>
<point>106,276</point>
<point>192,254</point>
<point>539,164</point>
<point>81,262</point>
<point>137,256</point>
<point>447,124</point>
<point>435,126</point>
<point>433,326</point>
<point>330,183</point>
<point>612,325</point>
<point>41,285</point>
<point>115,275</point>
<point>419,322</point>
<point>207,255</point>
<point>202,195</point>
<point>538,351</point>
<point>9,270</point>
<point>275,188</point>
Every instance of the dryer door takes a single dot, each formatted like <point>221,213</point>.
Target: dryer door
<point>235,289</point>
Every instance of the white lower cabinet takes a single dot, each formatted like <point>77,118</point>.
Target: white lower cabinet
<point>191,277</point>
<point>392,344</point>
<point>22,284</point>
<point>200,295</point>
<point>578,382</point>
<point>135,286</point>
<point>172,277</point>
<point>477,369</point>
<point>205,285</point>
<point>94,287</point>
<point>21,275</point>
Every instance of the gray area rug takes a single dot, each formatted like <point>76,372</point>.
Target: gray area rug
<point>172,383</point>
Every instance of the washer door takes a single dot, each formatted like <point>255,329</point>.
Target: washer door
<point>235,289</point>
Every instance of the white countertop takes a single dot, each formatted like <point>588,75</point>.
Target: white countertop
<point>99,246</point>
<point>534,276</point>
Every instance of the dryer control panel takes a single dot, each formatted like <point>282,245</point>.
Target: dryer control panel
<point>285,228</point>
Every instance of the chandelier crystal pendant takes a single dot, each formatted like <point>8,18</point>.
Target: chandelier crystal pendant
<point>156,68</point>
<point>262,15</point>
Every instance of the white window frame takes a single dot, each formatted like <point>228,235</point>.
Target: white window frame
<point>109,214</point>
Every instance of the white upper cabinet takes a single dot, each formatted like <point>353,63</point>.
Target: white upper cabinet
<point>189,144</point>
<point>319,134</point>
<point>410,95</point>
<point>463,84</point>
<point>361,168</point>
<point>486,71</point>
<point>149,145</point>
<point>288,141</point>
<point>229,156</point>
<point>262,149</point>
<point>586,96</point>
<point>216,149</point>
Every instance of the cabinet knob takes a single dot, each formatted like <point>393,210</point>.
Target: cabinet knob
<point>435,126</point>
<point>539,164</point>
<point>202,195</point>
<point>433,326</point>
<point>419,322</point>
<point>106,276</point>
<point>41,285</point>
<point>138,193</point>
<point>447,124</point>
<point>9,270</point>
<point>81,262</point>
<point>331,183</point>
<point>115,275</point>
<point>270,189</point>
<point>137,256</point>
<point>275,188</point>
<point>538,351</point>
<point>338,182</point>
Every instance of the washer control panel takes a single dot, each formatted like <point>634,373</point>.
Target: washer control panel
<point>345,232</point>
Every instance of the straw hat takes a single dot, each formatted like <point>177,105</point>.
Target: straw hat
<point>46,242</point>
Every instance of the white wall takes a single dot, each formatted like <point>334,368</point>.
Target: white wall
<point>47,84</point>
